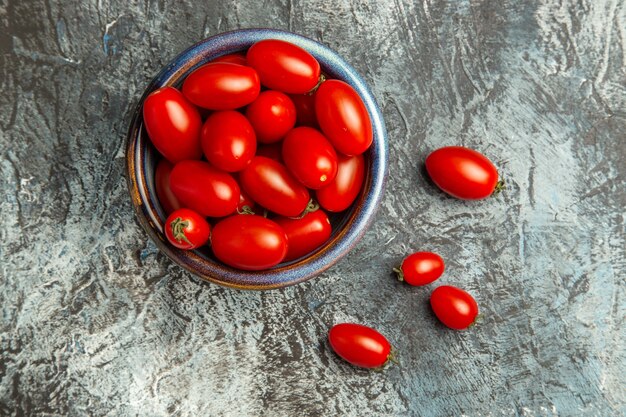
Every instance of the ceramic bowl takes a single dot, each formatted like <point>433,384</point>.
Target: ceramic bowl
<point>348,227</point>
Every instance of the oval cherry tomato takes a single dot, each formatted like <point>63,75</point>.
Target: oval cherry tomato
<point>306,234</point>
<point>166,197</point>
<point>236,58</point>
<point>222,86</point>
<point>246,205</point>
<point>462,172</point>
<point>420,268</point>
<point>340,193</point>
<point>249,242</point>
<point>360,345</point>
<point>454,307</point>
<point>310,157</point>
<point>186,229</point>
<point>284,66</point>
<point>271,185</point>
<point>273,151</point>
<point>173,124</point>
<point>343,117</point>
<point>204,189</point>
<point>272,115</point>
<point>228,140</point>
<point>305,109</point>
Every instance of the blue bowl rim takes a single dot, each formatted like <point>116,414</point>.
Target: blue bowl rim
<point>151,216</point>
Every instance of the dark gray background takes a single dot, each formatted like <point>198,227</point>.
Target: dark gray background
<point>96,322</point>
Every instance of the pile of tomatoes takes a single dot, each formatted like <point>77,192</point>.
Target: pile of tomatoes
<point>258,149</point>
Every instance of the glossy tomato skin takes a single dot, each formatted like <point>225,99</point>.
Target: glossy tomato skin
<point>421,268</point>
<point>310,157</point>
<point>306,234</point>
<point>249,242</point>
<point>343,117</point>
<point>341,192</point>
<point>272,115</point>
<point>305,109</point>
<point>204,189</point>
<point>186,229</point>
<point>454,307</point>
<point>222,86</point>
<point>270,184</point>
<point>173,124</point>
<point>236,58</point>
<point>359,345</point>
<point>284,66</point>
<point>166,197</point>
<point>228,140</point>
<point>462,172</point>
<point>273,151</point>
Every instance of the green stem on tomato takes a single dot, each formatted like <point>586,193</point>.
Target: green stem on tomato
<point>178,229</point>
<point>500,185</point>
<point>319,82</point>
<point>310,208</point>
<point>399,273</point>
<point>245,210</point>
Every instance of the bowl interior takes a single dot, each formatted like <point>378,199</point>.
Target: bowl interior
<point>348,226</point>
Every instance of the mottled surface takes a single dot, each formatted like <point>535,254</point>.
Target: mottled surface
<point>96,322</point>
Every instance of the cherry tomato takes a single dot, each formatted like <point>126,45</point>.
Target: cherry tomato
<point>173,124</point>
<point>228,140</point>
<point>454,307</point>
<point>271,185</point>
<point>306,234</point>
<point>204,189</point>
<point>222,86</point>
<point>236,58</point>
<point>463,173</point>
<point>420,268</point>
<point>340,193</point>
<point>284,66</point>
<point>246,205</point>
<point>305,109</point>
<point>186,229</point>
<point>343,117</point>
<point>310,157</point>
<point>166,197</point>
<point>272,115</point>
<point>360,345</point>
<point>273,151</point>
<point>249,242</point>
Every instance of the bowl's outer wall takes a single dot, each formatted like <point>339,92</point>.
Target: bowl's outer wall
<point>141,159</point>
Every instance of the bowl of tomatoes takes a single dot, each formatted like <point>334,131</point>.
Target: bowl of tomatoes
<point>257,158</point>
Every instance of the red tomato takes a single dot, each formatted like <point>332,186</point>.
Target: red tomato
<point>173,124</point>
<point>343,117</point>
<point>204,189</point>
<point>271,185</point>
<point>420,268</point>
<point>228,140</point>
<point>236,58</point>
<point>186,229</point>
<point>454,307</point>
<point>272,115</point>
<point>305,109</point>
<point>246,205</point>
<point>222,86</point>
<point>249,242</point>
<point>343,190</point>
<point>284,66</point>
<point>463,173</point>
<point>360,345</point>
<point>273,151</point>
<point>310,157</point>
<point>166,197</point>
<point>306,234</point>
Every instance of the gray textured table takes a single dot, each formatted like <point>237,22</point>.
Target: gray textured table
<point>96,322</point>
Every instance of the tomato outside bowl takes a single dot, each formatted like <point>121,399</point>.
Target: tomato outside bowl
<point>348,227</point>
